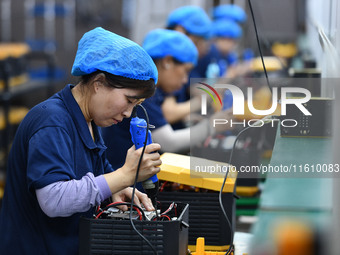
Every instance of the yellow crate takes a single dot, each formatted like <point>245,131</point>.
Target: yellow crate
<point>15,81</point>
<point>14,50</point>
<point>200,249</point>
<point>16,115</point>
<point>176,168</point>
<point>246,191</point>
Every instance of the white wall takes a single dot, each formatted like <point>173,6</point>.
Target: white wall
<point>324,41</point>
<point>324,28</point>
<point>143,16</point>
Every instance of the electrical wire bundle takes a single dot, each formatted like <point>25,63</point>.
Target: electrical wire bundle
<point>103,212</point>
<point>107,213</point>
<point>166,214</point>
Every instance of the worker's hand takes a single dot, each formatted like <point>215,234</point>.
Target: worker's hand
<point>150,164</point>
<point>125,195</point>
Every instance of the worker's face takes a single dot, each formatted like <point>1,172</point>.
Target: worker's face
<point>202,44</point>
<point>225,45</point>
<point>109,105</point>
<point>172,76</point>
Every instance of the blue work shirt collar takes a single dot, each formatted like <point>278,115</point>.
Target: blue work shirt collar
<point>80,122</point>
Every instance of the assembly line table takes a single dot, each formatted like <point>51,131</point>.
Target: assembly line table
<point>295,195</point>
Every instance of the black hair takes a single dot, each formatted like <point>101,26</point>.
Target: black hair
<point>173,27</point>
<point>176,61</point>
<point>147,87</point>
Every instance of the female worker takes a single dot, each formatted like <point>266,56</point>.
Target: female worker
<point>194,22</point>
<point>57,170</point>
<point>225,34</point>
<point>174,55</point>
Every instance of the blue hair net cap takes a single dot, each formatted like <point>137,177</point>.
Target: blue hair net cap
<point>226,29</point>
<point>192,18</point>
<point>230,11</point>
<point>103,50</point>
<point>160,43</point>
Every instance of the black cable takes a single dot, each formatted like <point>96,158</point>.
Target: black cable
<point>225,178</point>
<point>220,194</point>
<point>259,46</point>
<point>241,132</point>
<point>135,182</point>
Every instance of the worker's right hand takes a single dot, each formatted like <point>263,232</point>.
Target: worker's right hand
<point>150,163</point>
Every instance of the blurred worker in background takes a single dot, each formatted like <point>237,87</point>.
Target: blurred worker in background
<point>196,24</point>
<point>221,59</point>
<point>239,63</point>
<point>174,55</point>
<point>57,169</point>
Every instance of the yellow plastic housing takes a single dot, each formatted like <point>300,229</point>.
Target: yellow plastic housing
<point>176,168</point>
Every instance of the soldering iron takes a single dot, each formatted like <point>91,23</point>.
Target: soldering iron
<point>139,128</point>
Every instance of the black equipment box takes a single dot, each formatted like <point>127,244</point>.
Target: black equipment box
<point>206,218</point>
<point>319,124</point>
<point>117,237</point>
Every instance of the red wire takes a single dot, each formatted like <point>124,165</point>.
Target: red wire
<point>207,141</point>
<point>169,209</point>
<point>99,214</point>
<point>138,211</point>
<point>114,203</point>
<point>163,185</point>
<point>166,216</point>
<point>103,211</point>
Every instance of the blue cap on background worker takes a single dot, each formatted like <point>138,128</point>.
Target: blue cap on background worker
<point>226,29</point>
<point>160,43</point>
<point>229,11</point>
<point>194,22</point>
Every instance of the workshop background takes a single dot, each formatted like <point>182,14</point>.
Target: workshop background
<point>52,28</point>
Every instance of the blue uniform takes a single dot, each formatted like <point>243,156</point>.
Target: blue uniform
<point>153,106</point>
<point>52,143</point>
<point>200,70</point>
<point>215,56</point>
<point>118,138</point>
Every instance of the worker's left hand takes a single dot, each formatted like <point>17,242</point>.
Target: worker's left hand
<point>125,195</point>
